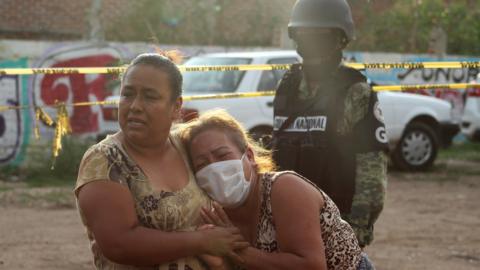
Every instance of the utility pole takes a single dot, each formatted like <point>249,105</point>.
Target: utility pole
<point>95,33</point>
<point>413,33</point>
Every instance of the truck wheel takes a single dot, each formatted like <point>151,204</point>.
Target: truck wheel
<point>417,149</point>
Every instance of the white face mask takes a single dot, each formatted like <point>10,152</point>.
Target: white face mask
<point>225,182</point>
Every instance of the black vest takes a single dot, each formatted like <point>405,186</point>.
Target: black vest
<point>310,144</point>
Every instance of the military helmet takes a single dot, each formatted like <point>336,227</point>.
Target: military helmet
<point>324,14</point>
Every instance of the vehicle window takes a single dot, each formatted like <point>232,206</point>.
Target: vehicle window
<point>270,78</point>
<point>213,81</point>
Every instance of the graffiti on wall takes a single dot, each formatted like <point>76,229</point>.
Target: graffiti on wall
<point>440,76</point>
<point>14,124</point>
<point>421,76</point>
<point>47,89</point>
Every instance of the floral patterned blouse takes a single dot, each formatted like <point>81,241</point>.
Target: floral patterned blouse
<point>166,211</point>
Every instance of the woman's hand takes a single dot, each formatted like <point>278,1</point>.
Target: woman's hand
<point>214,262</point>
<point>240,256</point>
<point>218,241</point>
<point>216,216</point>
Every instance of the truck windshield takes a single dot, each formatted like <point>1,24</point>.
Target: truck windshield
<point>213,81</point>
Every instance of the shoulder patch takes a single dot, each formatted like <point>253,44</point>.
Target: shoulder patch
<point>359,98</point>
<point>381,134</point>
<point>377,111</point>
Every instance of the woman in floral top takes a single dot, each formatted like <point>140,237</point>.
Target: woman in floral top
<point>135,191</point>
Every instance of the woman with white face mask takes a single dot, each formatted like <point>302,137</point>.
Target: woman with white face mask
<point>289,222</point>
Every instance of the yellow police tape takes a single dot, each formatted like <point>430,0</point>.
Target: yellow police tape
<point>183,68</point>
<point>233,95</point>
<point>416,65</point>
<point>380,88</point>
<point>7,108</point>
<point>377,88</point>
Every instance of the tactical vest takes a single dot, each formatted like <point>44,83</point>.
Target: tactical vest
<point>311,145</point>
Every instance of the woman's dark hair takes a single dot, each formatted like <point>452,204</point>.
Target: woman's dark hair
<point>166,62</point>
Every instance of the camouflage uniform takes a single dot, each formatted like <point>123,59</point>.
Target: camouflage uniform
<point>371,170</point>
<point>346,150</point>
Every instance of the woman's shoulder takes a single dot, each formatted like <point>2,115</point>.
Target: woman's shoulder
<point>179,144</point>
<point>106,147</point>
<point>97,161</point>
<point>275,176</point>
<point>287,179</point>
<point>286,183</point>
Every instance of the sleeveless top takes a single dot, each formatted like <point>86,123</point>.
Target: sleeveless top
<point>166,211</point>
<point>342,251</point>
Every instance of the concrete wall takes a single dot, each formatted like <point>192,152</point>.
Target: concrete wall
<point>55,19</point>
<point>16,127</point>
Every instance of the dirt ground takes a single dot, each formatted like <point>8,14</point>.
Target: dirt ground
<point>430,221</point>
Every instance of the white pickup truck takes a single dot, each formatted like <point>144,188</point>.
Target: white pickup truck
<point>416,125</point>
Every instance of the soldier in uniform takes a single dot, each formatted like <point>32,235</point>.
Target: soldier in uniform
<point>328,125</point>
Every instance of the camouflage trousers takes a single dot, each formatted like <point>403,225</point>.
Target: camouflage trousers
<point>365,263</point>
<point>367,204</point>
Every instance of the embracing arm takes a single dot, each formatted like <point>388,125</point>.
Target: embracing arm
<point>109,212</point>
<point>296,207</point>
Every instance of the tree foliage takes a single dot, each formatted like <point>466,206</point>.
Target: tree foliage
<point>402,26</point>
<point>210,22</point>
<point>405,27</point>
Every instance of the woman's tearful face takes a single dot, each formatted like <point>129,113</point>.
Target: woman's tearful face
<point>212,146</point>
<point>146,109</point>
